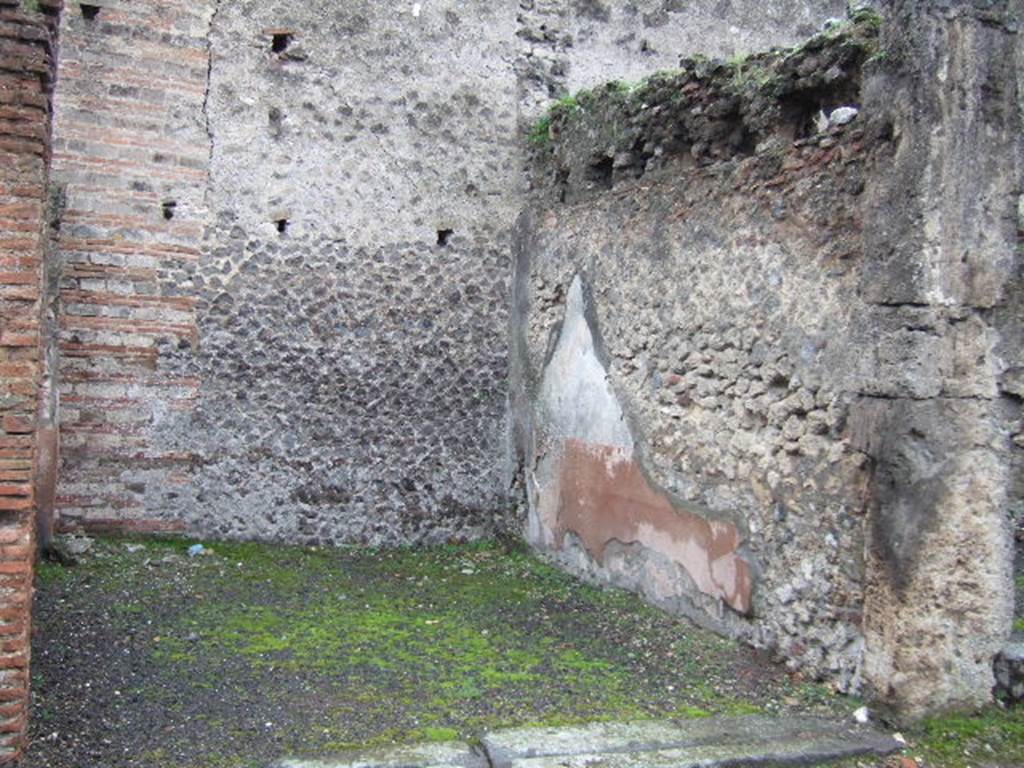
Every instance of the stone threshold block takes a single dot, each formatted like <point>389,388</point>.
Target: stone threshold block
<point>714,742</point>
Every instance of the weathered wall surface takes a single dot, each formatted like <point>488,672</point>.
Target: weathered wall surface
<point>313,346</point>
<point>942,273</point>
<point>26,77</point>
<point>353,365</point>
<point>802,347</point>
<point>766,370</point>
<point>575,44</point>
<point>712,261</point>
<point>130,167</point>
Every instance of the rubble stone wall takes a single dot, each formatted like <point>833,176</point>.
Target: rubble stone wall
<point>285,250</point>
<point>696,242</point>
<point>766,322</point>
<point>742,295</point>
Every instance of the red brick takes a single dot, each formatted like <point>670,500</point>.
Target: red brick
<point>15,725</point>
<point>21,551</point>
<point>18,425</point>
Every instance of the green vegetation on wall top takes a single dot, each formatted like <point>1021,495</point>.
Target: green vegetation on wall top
<point>740,74</point>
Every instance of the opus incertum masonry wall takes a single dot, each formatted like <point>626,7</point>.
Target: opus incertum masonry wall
<point>750,356</point>
<point>284,252</point>
<point>767,348</point>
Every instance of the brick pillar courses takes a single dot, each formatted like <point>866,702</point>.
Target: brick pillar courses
<point>27,36</point>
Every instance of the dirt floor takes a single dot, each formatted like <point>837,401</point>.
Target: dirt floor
<point>244,654</point>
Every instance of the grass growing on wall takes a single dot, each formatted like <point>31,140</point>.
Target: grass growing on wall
<point>740,74</point>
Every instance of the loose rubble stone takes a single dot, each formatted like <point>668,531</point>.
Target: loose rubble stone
<point>843,115</point>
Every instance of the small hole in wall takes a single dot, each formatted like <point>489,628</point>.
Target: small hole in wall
<point>601,172</point>
<point>562,183</point>
<point>280,42</point>
<point>275,119</point>
<point>89,12</point>
<point>282,225</point>
<point>168,209</point>
<point>443,236</point>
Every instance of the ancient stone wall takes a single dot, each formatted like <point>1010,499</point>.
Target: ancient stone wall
<point>942,418</point>
<point>725,394</point>
<point>352,287</point>
<point>26,77</point>
<point>766,348</point>
<point>687,330</point>
<point>285,252</point>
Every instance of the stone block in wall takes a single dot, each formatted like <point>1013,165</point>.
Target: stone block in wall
<point>939,598</point>
<point>923,352</point>
<point>942,246</point>
<point>943,193</point>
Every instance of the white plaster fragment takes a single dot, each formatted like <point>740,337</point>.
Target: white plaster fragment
<point>575,392</point>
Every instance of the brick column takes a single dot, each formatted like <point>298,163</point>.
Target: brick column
<point>130,155</point>
<point>26,77</point>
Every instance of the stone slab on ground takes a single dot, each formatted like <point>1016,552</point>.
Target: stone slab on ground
<point>714,742</point>
<point>453,754</point>
<point>706,742</point>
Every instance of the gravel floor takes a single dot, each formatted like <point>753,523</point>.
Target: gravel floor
<point>145,656</point>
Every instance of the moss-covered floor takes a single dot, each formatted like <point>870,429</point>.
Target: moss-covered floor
<point>145,656</point>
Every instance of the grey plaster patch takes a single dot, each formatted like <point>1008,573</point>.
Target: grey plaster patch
<point>575,394</point>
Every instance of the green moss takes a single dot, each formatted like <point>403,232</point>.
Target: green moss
<point>741,708</point>
<point>748,74</point>
<point>405,645</point>
<point>994,736</point>
<point>49,574</point>
<point>429,733</point>
<point>867,17</point>
<point>814,693</point>
<point>540,131</point>
<point>1018,625</point>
